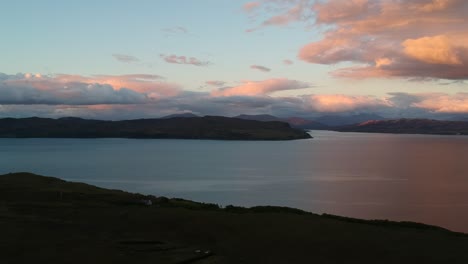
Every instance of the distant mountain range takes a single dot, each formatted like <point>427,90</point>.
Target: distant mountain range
<point>208,127</point>
<point>319,123</point>
<point>409,126</point>
<point>184,115</point>
<point>295,122</point>
<point>371,123</point>
<point>342,120</point>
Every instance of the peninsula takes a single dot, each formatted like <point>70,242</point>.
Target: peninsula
<point>208,127</point>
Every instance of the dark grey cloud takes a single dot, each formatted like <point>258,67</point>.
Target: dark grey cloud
<point>125,58</point>
<point>73,94</point>
<point>215,83</point>
<point>174,59</point>
<point>175,30</point>
<point>260,68</point>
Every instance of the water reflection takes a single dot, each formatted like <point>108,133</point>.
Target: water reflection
<point>425,178</point>
<point>398,177</point>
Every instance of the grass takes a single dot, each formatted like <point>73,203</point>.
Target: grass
<point>48,220</point>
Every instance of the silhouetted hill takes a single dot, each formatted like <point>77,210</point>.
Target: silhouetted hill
<point>298,122</point>
<point>459,118</point>
<point>410,126</point>
<point>340,120</point>
<point>263,118</point>
<point>48,220</point>
<point>295,122</point>
<point>209,127</point>
<point>179,115</point>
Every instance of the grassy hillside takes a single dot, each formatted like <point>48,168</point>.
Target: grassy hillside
<point>47,220</point>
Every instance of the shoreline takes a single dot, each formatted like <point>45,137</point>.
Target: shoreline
<point>53,219</point>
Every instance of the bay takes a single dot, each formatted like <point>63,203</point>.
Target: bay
<point>422,178</point>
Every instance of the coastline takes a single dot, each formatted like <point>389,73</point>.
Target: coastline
<point>118,227</point>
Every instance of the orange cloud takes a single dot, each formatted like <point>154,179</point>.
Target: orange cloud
<point>258,88</point>
<point>380,62</point>
<point>434,50</point>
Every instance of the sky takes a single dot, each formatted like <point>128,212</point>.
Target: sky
<point>142,59</point>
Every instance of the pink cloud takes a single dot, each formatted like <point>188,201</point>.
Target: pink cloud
<point>260,68</point>
<point>333,11</point>
<point>288,62</point>
<point>142,83</point>
<point>417,39</point>
<point>280,12</point>
<point>79,90</point>
<point>437,102</point>
<point>344,103</point>
<point>331,50</point>
<point>260,88</point>
<point>184,60</point>
<point>436,5</point>
<point>248,7</point>
<point>293,14</point>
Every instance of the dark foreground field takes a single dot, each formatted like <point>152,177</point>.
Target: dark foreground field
<point>47,220</point>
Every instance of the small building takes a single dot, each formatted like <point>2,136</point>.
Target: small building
<point>147,202</point>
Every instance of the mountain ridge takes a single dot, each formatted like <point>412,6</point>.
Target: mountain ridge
<point>296,122</point>
<point>409,126</point>
<point>208,127</point>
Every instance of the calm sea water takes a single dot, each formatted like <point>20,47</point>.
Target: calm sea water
<point>373,176</point>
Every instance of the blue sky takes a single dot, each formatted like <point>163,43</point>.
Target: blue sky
<point>86,38</point>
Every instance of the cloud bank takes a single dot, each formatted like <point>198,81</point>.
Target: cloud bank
<point>415,39</point>
<point>65,89</point>
<point>149,96</point>
<point>256,88</point>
